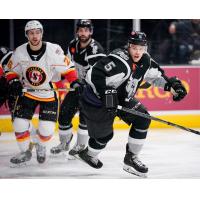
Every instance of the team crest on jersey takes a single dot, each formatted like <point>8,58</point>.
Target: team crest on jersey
<point>35,75</point>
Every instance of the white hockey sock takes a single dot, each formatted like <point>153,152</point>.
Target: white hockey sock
<point>22,133</point>
<point>33,133</point>
<point>93,152</point>
<point>82,137</point>
<point>65,135</point>
<point>135,145</point>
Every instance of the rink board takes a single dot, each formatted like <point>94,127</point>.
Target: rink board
<point>187,120</point>
<point>158,102</point>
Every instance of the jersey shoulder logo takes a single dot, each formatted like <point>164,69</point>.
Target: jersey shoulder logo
<point>94,48</point>
<point>35,75</point>
<point>72,50</point>
<point>58,51</point>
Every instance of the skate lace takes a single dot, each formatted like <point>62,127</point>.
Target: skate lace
<point>137,161</point>
<point>78,147</point>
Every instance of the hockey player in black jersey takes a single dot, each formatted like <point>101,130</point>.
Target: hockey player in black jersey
<point>113,81</point>
<point>84,51</point>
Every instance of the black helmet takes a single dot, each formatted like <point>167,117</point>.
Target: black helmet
<point>5,54</point>
<point>137,38</point>
<point>84,23</point>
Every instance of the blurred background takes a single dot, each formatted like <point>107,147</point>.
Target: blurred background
<point>171,41</point>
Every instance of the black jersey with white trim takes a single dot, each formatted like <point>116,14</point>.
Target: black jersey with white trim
<point>84,58</point>
<point>118,71</point>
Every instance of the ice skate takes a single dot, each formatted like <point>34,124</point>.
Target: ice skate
<point>133,165</point>
<point>76,149</point>
<point>21,157</point>
<point>92,161</point>
<point>63,146</point>
<point>41,153</point>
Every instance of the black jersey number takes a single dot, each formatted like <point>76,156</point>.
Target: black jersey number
<point>109,66</point>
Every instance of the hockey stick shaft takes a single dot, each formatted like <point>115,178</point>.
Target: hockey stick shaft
<point>51,89</point>
<point>134,112</point>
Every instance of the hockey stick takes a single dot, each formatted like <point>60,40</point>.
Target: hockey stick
<point>134,112</point>
<point>51,89</point>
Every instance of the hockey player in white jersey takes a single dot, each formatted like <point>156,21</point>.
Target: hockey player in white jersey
<point>36,65</point>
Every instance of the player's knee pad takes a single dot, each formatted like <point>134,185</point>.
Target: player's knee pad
<point>100,143</point>
<point>65,119</point>
<point>46,130</point>
<point>140,122</point>
<point>67,110</point>
<point>138,133</point>
<point>21,125</point>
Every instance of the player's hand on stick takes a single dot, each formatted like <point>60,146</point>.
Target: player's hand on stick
<point>177,88</point>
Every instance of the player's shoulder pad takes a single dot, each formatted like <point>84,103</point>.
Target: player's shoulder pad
<point>72,46</point>
<point>145,60</point>
<point>94,48</point>
<point>54,48</point>
<point>73,42</point>
<point>154,64</point>
<point>122,53</point>
<point>21,47</point>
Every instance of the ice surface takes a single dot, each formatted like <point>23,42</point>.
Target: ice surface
<point>169,153</point>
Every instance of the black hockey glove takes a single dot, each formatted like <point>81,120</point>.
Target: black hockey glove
<point>3,90</point>
<point>175,84</point>
<point>78,87</point>
<point>110,101</point>
<point>15,87</point>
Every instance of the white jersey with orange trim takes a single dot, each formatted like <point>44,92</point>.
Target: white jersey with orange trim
<point>39,73</point>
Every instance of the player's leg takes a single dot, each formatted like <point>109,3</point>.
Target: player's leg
<point>47,123</point>
<point>23,113</point>
<point>95,146</point>
<point>68,109</point>
<point>136,138</point>
<point>12,102</point>
<point>82,136</point>
<point>100,132</point>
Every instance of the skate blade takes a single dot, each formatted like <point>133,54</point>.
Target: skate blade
<point>73,157</point>
<point>62,153</point>
<point>19,165</point>
<point>131,170</point>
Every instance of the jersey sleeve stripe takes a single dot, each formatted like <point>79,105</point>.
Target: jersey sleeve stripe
<point>96,55</point>
<point>125,63</point>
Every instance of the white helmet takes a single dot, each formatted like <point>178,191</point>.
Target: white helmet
<point>33,24</point>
